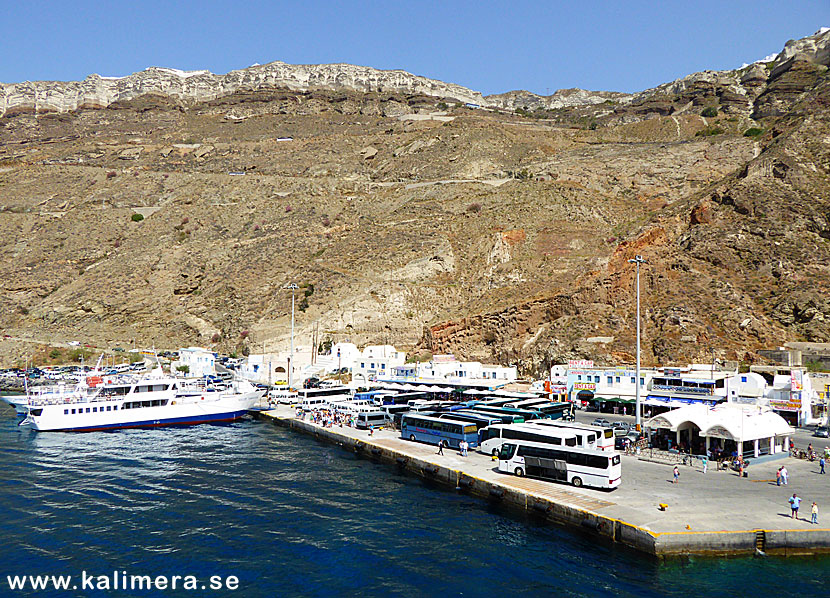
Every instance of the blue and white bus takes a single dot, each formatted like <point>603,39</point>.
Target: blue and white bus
<point>432,430</point>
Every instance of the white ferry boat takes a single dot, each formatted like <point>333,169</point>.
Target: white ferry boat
<point>126,402</point>
<point>19,402</point>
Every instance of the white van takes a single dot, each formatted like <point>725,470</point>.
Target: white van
<point>371,418</point>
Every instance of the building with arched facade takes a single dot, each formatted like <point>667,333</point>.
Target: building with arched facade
<point>725,429</point>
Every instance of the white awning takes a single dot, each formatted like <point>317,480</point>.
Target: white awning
<point>727,420</point>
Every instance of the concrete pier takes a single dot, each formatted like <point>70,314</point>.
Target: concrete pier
<point>714,513</point>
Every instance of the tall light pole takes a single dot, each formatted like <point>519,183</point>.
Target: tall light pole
<point>637,261</point>
<point>293,288</point>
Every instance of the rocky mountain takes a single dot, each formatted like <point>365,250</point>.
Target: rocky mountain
<point>169,218</point>
<point>191,87</point>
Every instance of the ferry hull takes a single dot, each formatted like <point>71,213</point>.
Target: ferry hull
<point>174,421</point>
<point>183,411</point>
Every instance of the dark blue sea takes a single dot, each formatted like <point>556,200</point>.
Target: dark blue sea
<point>289,516</point>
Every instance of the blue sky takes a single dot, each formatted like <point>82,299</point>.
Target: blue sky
<point>492,47</point>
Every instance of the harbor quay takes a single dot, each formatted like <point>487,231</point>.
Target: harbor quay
<point>716,512</point>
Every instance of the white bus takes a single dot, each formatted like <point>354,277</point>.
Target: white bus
<point>310,399</point>
<point>351,406</point>
<point>492,437</point>
<point>603,438</point>
<point>580,467</point>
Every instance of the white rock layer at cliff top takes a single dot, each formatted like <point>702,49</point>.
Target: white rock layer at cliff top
<point>197,86</point>
<point>189,87</point>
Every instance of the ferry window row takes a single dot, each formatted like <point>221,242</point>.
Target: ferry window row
<point>138,404</point>
<point>120,391</point>
<point>152,388</point>
<point>100,409</point>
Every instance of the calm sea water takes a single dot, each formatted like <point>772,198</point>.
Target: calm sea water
<point>292,517</point>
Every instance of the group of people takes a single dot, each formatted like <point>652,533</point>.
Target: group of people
<point>327,417</point>
<point>463,447</point>
<point>795,503</point>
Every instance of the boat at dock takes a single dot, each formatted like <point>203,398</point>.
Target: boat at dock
<point>18,401</point>
<point>124,401</point>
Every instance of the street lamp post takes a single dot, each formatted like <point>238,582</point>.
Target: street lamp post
<point>637,261</point>
<point>293,288</point>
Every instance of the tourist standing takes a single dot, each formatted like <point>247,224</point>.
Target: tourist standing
<point>795,502</point>
<point>814,513</point>
<point>705,463</point>
<point>676,475</point>
<point>778,476</point>
<point>785,475</point>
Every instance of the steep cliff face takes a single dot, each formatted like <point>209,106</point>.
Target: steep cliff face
<point>732,265</point>
<point>191,87</point>
<point>736,89</point>
<point>483,233</point>
<point>561,98</point>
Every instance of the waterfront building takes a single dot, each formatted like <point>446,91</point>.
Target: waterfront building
<point>341,356</point>
<point>198,361</point>
<point>678,387</point>
<point>751,431</point>
<point>447,368</point>
<point>365,365</point>
<point>559,375</point>
<point>272,367</point>
<point>376,361</point>
<point>791,394</point>
<point>611,389</point>
<point>820,383</point>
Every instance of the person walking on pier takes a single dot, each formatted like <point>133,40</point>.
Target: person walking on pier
<point>676,475</point>
<point>441,447</point>
<point>705,463</point>
<point>821,463</point>
<point>778,476</point>
<point>795,502</point>
<point>814,513</point>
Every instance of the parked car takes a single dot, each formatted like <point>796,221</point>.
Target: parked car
<point>620,428</point>
<point>822,432</point>
<point>312,382</point>
<point>602,423</point>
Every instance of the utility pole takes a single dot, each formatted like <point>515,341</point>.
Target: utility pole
<point>293,288</point>
<point>713,363</point>
<point>637,261</point>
